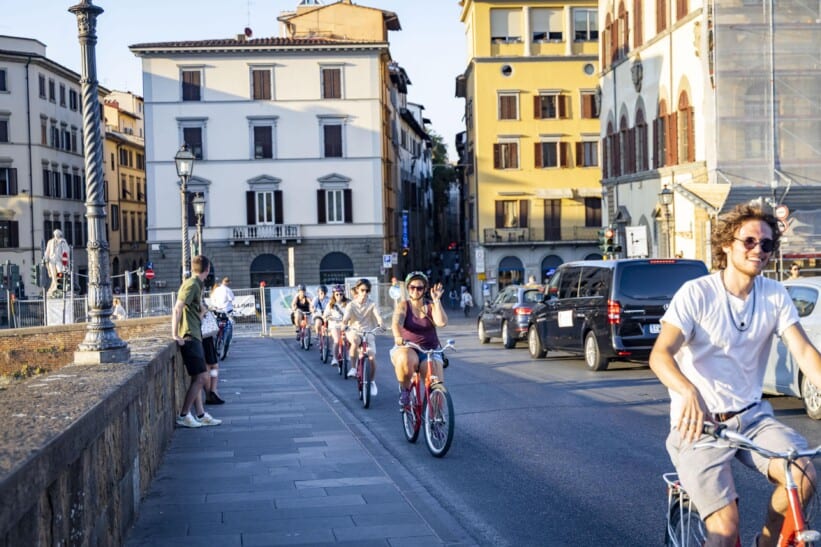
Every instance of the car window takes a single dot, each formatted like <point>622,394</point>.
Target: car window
<point>594,282</point>
<point>510,297</point>
<point>804,299</point>
<point>569,283</point>
<point>657,281</point>
<point>532,296</point>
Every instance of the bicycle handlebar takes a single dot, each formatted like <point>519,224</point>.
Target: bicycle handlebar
<point>449,345</point>
<point>361,331</point>
<point>720,431</point>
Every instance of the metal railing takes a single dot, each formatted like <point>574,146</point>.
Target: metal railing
<point>539,234</point>
<point>265,231</point>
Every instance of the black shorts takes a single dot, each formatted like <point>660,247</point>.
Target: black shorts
<point>210,351</point>
<point>193,356</point>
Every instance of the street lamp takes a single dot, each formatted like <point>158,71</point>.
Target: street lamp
<point>199,210</point>
<point>666,199</point>
<point>185,167</point>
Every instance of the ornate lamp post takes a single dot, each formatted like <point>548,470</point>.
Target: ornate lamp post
<point>199,210</point>
<point>101,343</point>
<point>666,199</point>
<point>185,167</point>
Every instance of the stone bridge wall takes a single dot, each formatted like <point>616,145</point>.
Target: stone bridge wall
<point>79,446</point>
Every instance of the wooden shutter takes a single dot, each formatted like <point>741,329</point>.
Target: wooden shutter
<point>537,153</point>
<point>579,154</point>
<point>523,207</point>
<point>537,107</point>
<point>278,216</point>
<point>672,139</point>
<point>691,135</point>
<point>12,181</point>
<point>250,207</point>
<point>347,195</point>
<point>500,214</point>
<point>512,155</point>
<point>14,234</point>
<point>564,153</point>
<point>497,156</point>
<point>320,206</point>
<point>562,106</point>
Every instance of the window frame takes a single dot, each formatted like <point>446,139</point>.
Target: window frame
<point>591,31</point>
<point>9,234</point>
<point>547,35</point>
<point>561,107</point>
<point>186,88</point>
<point>8,182</point>
<point>253,89</point>
<point>5,128</point>
<point>261,122</point>
<point>194,123</point>
<point>4,80</point>
<point>506,154</point>
<point>335,92</point>
<point>587,153</point>
<point>337,208</point>
<point>503,106</point>
<point>326,122</point>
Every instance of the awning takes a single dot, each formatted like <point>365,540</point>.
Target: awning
<point>587,192</point>
<point>554,193</point>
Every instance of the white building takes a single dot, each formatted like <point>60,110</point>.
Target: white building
<point>293,153</point>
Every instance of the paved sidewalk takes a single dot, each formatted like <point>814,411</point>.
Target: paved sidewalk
<point>284,468</point>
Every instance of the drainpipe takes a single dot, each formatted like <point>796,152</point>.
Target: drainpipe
<point>31,167</point>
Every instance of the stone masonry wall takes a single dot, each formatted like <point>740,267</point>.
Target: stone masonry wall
<point>78,448</point>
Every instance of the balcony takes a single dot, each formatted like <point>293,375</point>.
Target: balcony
<point>262,232</point>
<point>528,236</point>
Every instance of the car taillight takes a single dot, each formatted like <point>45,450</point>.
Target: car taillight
<point>613,312</point>
<point>522,311</point>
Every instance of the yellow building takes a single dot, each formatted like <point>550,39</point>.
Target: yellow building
<point>125,186</point>
<point>531,153</point>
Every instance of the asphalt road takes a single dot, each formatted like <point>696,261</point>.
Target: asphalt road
<point>545,452</point>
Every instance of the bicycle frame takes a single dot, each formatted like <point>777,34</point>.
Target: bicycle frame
<point>363,379</point>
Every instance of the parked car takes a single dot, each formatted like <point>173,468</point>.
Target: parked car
<point>782,375</point>
<point>607,309</point>
<point>507,315</point>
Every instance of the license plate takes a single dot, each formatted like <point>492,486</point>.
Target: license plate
<point>655,328</point>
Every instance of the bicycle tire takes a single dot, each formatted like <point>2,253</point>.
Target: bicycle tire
<point>218,343</point>
<point>324,349</point>
<point>366,383</point>
<point>411,415</point>
<point>306,339</point>
<point>684,526</point>
<point>359,376</point>
<point>438,420</point>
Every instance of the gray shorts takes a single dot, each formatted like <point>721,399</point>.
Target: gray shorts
<point>705,472</point>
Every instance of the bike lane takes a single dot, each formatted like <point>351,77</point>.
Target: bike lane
<point>286,467</point>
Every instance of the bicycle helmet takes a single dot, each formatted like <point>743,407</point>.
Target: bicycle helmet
<point>339,288</point>
<point>323,289</point>
<point>300,287</point>
<point>361,282</point>
<point>416,275</point>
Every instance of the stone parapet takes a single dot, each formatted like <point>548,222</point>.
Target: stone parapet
<point>79,447</point>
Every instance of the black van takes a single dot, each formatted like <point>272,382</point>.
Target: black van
<point>607,309</point>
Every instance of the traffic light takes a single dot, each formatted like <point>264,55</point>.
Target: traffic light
<point>14,276</point>
<point>35,275</point>
<point>405,251</point>
<point>602,240</point>
<point>609,243</point>
<point>60,281</point>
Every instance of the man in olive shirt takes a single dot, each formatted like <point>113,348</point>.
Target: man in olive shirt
<point>186,331</point>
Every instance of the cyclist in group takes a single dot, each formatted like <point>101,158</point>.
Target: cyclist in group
<point>222,300</point>
<point>334,312</point>
<point>318,306</point>
<point>711,354</point>
<point>363,315</point>
<point>300,307</point>
<point>416,320</point>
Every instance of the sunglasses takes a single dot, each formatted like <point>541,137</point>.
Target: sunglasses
<point>364,290</point>
<point>766,244</point>
<point>416,287</point>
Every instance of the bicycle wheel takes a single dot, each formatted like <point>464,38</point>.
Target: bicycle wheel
<point>411,414</point>
<point>359,376</point>
<point>219,342</point>
<point>366,383</point>
<point>306,339</point>
<point>438,420</point>
<point>684,526</point>
<point>324,349</point>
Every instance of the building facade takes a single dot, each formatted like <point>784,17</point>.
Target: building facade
<point>529,156</point>
<point>295,139</point>
<point>710,105</point>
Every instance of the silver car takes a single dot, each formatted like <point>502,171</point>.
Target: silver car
<point>783,376</point>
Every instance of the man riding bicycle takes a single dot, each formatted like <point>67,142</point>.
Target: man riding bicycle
<point>318,306</point>
<point>300,307</point>
<point>222,300</point>
<point>363,315</point>
<point>415,320</point>
<point>711,354</point>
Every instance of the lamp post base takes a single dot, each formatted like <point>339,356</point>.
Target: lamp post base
<point>99,357</point>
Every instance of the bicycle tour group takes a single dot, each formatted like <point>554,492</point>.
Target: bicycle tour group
<point>711,355</point>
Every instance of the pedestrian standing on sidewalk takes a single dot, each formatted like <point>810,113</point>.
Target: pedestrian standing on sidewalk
<point>186,332</point>
<point>454,299</point>
<point>467,301</point>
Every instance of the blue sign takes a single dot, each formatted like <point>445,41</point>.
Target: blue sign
<point>149,265</point>
<point>405,229</point>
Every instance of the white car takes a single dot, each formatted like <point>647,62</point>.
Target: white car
<point>783,376</point>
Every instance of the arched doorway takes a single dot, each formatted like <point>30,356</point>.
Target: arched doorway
<point>267,268</point>
<point>593,256</point>
<point>334,268</point>
<point>549,265</point>
<point>511,272</point>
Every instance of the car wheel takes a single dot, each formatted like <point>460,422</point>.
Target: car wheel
<point>812,398</point>
<point>534,343</point>
<point>483,338</point>
<point>592,355</point>
<point>507,339</point>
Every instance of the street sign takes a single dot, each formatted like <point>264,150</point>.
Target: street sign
<point>386,261</point>
<point>149,274</point>
<point>782,212</point>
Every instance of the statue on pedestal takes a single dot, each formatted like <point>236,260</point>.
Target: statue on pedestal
<point>53,258</point>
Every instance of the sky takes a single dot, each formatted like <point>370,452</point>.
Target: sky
<point>430,47</point>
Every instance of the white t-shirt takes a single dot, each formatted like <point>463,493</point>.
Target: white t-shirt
<point>222,298</point>
<point>725,352</point>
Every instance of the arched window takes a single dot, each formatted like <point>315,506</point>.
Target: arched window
<point>267,268</point>
<point>624,32</point>
<point>686,129</point>
<point>659,137</point>
<point>638,31</point>
<point>549,265</point>
<point>613,163</point>
<point>625,148</point>
<point>641,142</point>
<point>511,272</point>
<point>334,268</point>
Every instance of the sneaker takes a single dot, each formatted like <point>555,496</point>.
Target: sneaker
<point>207,419</point>
<point>213,399</point>
<point>374,391</point>
<point>352,373</point>
<point>334,362</point>
<point>404,397</point>
<point>188,421</point>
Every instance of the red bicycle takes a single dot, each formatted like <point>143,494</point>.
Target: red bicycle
<point>364,370</point>
<point>324,343</point>
<point>341,353</point>
<point>684,525</point>
<point>432,407</point>
<point>303,337</point>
